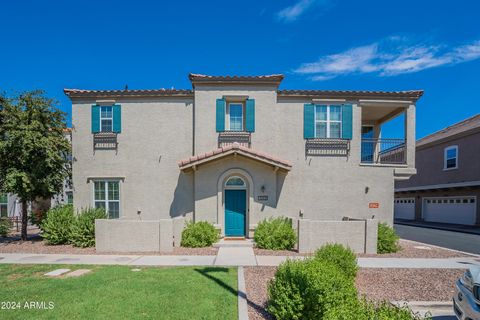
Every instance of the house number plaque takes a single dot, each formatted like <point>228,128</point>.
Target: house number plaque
<point>262,198</point>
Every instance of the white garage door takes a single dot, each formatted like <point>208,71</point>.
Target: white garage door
<point>460,210</point>
<point>404,208</point>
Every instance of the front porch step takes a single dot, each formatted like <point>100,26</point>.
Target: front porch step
<point>226,243</point>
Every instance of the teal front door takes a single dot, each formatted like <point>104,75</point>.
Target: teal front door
<point>235,212</point>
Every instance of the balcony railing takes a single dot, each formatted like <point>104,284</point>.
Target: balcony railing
<point>105,141</point>
<point>383,151</point>
<point>327,147</point>
<point>229,137</point>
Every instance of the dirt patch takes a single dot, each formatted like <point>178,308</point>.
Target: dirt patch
<point>408,284</point>
<point>256,281</point>
<point>37,245</point>
<point>412,249</point>
<point>266,252</point>
<point>375,284</point>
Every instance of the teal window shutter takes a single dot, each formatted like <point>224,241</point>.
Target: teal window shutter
<point>220,115</point>
<point>347,121</point>
<point>117,118</point>
<point>95,119</point>
<point>250,115</point>
<point>308,121</point>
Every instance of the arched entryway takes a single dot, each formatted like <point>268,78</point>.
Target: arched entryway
<point>235,202</point>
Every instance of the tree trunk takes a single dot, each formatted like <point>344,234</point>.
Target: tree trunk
<point>24,220</point>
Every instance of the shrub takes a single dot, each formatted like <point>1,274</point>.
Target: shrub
<point>307,289</point>
<point>365,310</point>
<point>344,258</point>
<point>5,225</point>
<point>387,239</point>
<point>58,224</point>
<point>37,217</point>
<point>199,234</point>
<point>275,234</point>
<point>83,229</point>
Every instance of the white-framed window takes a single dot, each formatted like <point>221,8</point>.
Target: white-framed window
<point>235,116</point>
<point>69,197</point>
<point>106,195</point>
<point>106,119</point>
<point>3,205</point>
<point>328,121</point>
<point>450,158</point>
<point>235,182</point>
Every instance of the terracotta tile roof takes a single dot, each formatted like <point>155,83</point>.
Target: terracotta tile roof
<point>411,94</point>
<point>471,123</point>
<point>133,93</point>
<point>231,149</point>
<point>272,78</point>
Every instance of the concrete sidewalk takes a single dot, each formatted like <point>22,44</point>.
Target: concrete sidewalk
<point>227,257</point>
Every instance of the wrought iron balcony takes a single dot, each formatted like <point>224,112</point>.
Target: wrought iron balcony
<point>383,151</point>
<point>105,141</point>
<point>327,147</point>
<point>229,137</point>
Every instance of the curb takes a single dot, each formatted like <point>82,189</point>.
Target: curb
<point>242,295</point>
<point>436,228</point>
<point>443,248</point>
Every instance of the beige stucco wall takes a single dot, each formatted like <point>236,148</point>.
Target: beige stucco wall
<point>156,133</point>
<point>323,188</point>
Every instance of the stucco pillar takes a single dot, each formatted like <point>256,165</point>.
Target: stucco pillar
<point>410,135</point>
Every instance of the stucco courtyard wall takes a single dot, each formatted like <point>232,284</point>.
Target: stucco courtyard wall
<point>121,235</point>
<point>360,236</point>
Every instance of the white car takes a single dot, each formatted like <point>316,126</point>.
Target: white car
<point>466,301</point>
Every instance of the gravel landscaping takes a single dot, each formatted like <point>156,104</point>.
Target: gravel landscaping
<point>408,284</point>
<point>412,249</point>
<point>375,284</point>
<point>35,244</point>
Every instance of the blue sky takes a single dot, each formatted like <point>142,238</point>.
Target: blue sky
<point>322,44</point>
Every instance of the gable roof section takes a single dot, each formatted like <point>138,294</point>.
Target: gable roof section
<point>233,149</point>
<point>73,93</point>
<point>470,124</point>
<point>410,94</point>
<point>265,79</point>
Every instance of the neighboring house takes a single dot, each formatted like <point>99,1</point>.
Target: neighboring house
<point>446,187</point>
<point>10,205</point>
<point>233,151</point>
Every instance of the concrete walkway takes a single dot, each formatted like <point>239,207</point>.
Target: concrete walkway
<point>228,256</point>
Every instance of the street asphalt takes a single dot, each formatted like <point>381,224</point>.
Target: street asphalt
<point>449,239</point>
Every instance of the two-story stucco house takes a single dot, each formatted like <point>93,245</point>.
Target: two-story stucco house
<point>234,150</point>
<point>446,188</point>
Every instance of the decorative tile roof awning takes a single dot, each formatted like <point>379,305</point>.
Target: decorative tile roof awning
<point>266,79</point>
<point>73,93</point>
<point>234,149</point>
<point>352,94</point>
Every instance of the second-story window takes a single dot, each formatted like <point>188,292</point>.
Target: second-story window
<point>328,121</point>
<point>106,119</point>
<point>450,158</point>
<point>235,118</point>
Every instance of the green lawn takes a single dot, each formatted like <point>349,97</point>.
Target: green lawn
<point>116,292</point>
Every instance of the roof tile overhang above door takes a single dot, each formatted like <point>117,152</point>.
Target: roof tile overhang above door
<point>234,149</point>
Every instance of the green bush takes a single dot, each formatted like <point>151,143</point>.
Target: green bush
<point>365,310</point>
<point>57,225</point>
<point>344,258</point>
<point>308,289</point>
<point>5,226</point>
<point>83,229</point>
<point>199,234</point>
<point>275,234</point>
<point>387,239</point>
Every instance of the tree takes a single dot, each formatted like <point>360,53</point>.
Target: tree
<point>34,154</point>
